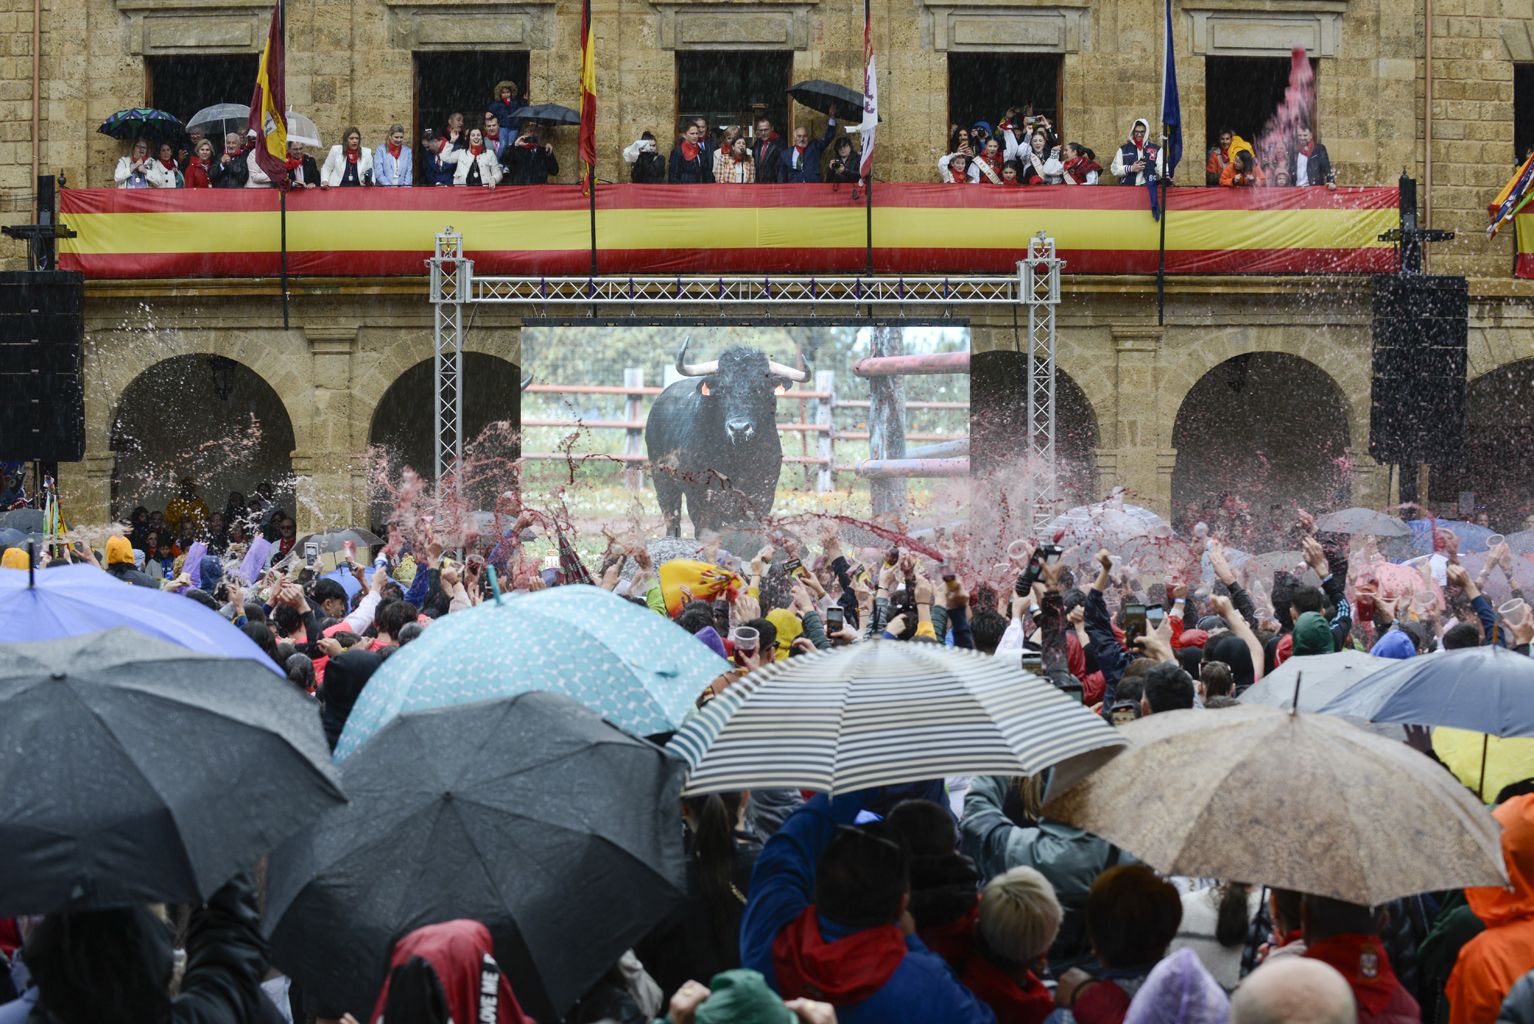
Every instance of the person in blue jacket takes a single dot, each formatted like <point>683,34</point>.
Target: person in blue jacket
<point>827,920</point>
<point>437,170</point>
<point>801,161</point>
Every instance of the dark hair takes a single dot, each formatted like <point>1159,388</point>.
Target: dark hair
<point>713,851</point>
<point>202,597</point>
<point>987,627</point>
<point>767,632</point>
<point>255,611</point>
<point>102,966</point>
<point>393,616</point>
<point>327,590</point>
<point>1072,599</point>
<point>1168,688</point>
<point>300,671</point>
<point>647,136</point>
<point>694,620</point>
<point>1287,903</point>
<point>416,994</point>
<point>924,827</point>
<point>1216,703</point>
<point>1465,634</point>
<point>1306,598</point>
<point>862,876</point>
<point>1244,162</point>
<point>1217,679</point>
<point>285,650</point>
<point>286,618</point>
<point>1083,150</point>
<point>408,632</point>
<point>1190,658</point>
<point>1326,917</point>
<point>263,639</point>
<point>1132,916</point>
<point>1234,916</point>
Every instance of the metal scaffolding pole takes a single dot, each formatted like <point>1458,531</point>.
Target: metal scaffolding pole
<point>451,279</point>
<point>1040,275</point>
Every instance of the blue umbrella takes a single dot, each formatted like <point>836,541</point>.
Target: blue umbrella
<point>1472,538</point>
<point>637,669</point>
<point>142,122</point>
<point>75,599</point>
<point>1484,689</point>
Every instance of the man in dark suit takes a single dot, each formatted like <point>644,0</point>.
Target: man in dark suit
<point>230,170</point>
<point>529,160</point>
<point>1309,163</point>
<point>767,152</point>
<point>801,161</point>
<point>305,173</point>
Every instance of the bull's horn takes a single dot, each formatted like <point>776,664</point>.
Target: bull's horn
<point>789,373</point>
<point>526,381</point>
<point>693,369</point>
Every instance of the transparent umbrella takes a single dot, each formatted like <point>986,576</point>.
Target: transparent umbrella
<point>220,119</point>
<point>302,129</point>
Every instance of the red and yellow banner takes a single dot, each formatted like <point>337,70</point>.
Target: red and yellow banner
<point>690,229</point>
<point>1523,224</point>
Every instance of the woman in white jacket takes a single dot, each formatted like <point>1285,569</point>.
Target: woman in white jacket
<point>348,164</point>
<point>477,164</point>
<point>139,170</point>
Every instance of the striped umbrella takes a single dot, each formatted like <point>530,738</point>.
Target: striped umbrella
<point>886,712</point>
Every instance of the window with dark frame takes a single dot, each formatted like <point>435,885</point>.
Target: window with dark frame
<point>981,86</point>
<point>1523,111</point>
<point>1243,95</point>
<point>731,87</point>
<point>462,82</point>
<point>183,85</point>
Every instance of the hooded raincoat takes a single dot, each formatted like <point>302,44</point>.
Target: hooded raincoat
<point>1129,154</point>
<point>1491,962</point>
<point>456,959</point>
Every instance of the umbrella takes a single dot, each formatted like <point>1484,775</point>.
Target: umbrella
<point>1472,537</point>
<point>1362,520</point>
<point>1521,543</point>
<point>1497,586</point>
<point>27,520</point>
<point>1289,799</point>
<point>886,712</point>
<point>219,120</point>
<point>549,113</point>
<point>822,96</point>
<point>529,813</point>
<point>1111,524</point>
<point>142,123</point>
<point>638,669</point>
<point>1321,677</point>
<point>336,539</point>
<point>302,129</point>
<point>73,599</point>
<point>1488,689</point>
<point>10,538</point>
<point>1156,555</point>
<point>141,771</point>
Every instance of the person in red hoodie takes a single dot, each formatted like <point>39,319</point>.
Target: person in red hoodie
<point>1019,917</point>
<point>1346,936</point>
<point>447,972</point>
<point>827,919</point>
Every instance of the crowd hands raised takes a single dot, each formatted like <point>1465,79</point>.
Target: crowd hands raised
<point>953,900</point>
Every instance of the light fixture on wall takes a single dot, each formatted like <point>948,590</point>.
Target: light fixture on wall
<point>221,367</point>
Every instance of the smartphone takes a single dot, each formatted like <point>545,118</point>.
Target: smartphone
<point>1123,712</point>
<point>836,618</point>
<point>1155,615</point>
<point>1134,622</point>
<point>311,553</point>
<point>792,566</point>
<point>1033,661</point>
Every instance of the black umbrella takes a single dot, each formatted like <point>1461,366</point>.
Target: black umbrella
<point>143,123</point>
<point>557,830</point>
<point>27,520</point>
<point>549,113</point>
<point>138,771</point>
<point>822,96</point>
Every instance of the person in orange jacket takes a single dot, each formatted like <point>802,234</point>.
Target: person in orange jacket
<point>1490,963</point>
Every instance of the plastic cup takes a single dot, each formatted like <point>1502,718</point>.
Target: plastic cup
<point>1514,610</point>
<point>1017,550</point>
<point>1496,540</point>
<point>745,638</point>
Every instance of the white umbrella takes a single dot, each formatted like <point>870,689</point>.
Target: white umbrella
<point>301,129</point>
<point>1111,524</point>
<point>886,712</point>
<point>220,119</point>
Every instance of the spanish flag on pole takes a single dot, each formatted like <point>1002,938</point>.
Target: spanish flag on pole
<point>268,104</point>
<point>588,140</point>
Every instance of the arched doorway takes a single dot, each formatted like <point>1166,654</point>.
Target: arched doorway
<point>207,418</point>
<point>402,432</point>
<point>1498,422</point>
<point>1256,437</point>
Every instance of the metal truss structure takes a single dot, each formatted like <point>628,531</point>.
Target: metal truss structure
<point>1036,285</point>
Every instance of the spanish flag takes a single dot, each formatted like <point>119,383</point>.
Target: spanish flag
<point>267,106</point>
<point>588,140</point>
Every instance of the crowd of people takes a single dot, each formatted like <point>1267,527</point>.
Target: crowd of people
<point>951,900</point>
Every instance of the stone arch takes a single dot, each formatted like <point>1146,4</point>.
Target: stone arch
<point>1498,423</point>
<point>1259,430</point>
<point>209,418</point>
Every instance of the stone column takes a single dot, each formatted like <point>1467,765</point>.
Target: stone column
<point>85,488</point>
<point>1138,458</point>
<point>1371,482</point>
<point>328,495</point>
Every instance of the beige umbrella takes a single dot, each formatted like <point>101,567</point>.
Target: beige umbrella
<point>1294,800</point>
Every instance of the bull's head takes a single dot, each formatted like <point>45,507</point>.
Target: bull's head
<point>744,384</point>
<point>526,381</point>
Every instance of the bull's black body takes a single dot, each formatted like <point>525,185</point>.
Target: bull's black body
<point>720,449</point>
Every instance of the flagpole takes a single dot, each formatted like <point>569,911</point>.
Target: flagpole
<point>591,168</point>
<point>868,184</point>
<point>282,17</point>
<point>1161,259</point>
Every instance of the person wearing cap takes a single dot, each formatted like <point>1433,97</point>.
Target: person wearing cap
<point>120,563</point>
<point>741,997</point>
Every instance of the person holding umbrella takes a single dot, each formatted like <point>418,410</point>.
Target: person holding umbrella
<point>231,170</point>
<point>530,160</point>
<point>801,161</point>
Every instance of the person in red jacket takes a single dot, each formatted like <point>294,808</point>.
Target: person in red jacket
<point>1345,936</point>
<point>1019,917</point>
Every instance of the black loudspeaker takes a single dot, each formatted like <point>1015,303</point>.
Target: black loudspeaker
<point>998,409</point>
<point>1417,396</point>
<point>42,401</point>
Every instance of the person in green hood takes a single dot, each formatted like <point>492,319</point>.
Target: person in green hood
<point>1312,635</point>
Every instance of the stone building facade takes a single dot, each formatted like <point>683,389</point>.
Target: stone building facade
<point>356,61</point>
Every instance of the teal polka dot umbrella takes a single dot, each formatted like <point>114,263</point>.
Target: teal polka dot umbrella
<point>637,669</point>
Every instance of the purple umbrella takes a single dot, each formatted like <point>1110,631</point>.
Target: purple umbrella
<point>75,599</point>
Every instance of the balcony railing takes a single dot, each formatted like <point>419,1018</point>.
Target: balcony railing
<point>706,229</point>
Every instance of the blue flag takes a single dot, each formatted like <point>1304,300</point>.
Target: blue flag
<point>1171,116</point>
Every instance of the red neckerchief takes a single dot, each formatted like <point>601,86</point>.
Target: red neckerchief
<point>294,161</point>
<point>351,155</point>
<point>996,162</point>
<point>475,150</point>
<point>394,150</point>
<point>1363,961</point>
<point>1289,938</point>
<point>169,165</point>
<point>848,970</point>
<point>494,136</point>
<point>1080,167</point>
<point>689,150</point>
<point>1308,151</point>
<point>800,150</point>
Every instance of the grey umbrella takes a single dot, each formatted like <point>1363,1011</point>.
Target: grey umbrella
<point>1362,520</point>
<point>336,539</point>
<point>531,814</point>
<point>139,771</point>
<point>27,520</point>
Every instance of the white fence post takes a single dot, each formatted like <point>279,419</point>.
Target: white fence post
<point>633,438</point>
<point>825,448</point>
